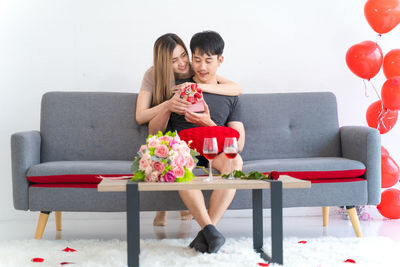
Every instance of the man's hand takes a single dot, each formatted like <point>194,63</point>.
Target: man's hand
<point>200,119</point>
<point>177,104</point>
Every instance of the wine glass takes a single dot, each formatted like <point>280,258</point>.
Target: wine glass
<point>210,151</point>
<point>230,151</point>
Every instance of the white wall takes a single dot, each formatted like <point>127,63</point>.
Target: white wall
<point>271,46</point>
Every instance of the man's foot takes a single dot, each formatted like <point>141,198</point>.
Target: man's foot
<point>160,219</point>
<point>214,238</point>
<point>199,243</point>
<point>186,215</point>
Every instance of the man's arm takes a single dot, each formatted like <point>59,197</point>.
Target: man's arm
<point>238,126</point>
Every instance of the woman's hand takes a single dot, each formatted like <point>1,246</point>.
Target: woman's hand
<point>177,104</point>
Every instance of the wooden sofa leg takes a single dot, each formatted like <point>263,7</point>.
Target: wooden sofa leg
<point>325,216</point>
<point>58,216</point>
<point>44,216</point>
<point>351,211</point>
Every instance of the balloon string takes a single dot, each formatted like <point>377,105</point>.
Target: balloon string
<point>365,89</point>
<point>381,116</point>
<point>377,38</point>
<point>376,91</point>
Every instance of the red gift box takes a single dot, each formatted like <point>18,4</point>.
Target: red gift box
<point>194,95</point>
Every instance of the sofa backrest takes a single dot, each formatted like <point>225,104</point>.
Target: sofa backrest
<point>90,126</point>
<point>290,125</point>
<point>102,126</point>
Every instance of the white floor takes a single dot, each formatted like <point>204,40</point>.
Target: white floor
<point>234,224</point>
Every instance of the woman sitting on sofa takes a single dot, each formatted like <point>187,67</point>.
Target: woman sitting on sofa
<point>170,63</point>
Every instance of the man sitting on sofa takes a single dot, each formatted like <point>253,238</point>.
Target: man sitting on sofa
<point>207,48</point>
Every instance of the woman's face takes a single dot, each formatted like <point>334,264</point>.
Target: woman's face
<point>180,60</point>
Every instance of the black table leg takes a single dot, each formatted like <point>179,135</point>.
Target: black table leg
<point>258,232</point>
<point>276,222</point>
<point>133,224</point>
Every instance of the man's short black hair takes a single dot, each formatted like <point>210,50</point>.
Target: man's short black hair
<point>208,42</point>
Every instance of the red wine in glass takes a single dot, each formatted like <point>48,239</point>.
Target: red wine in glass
<point>230,151</point>
<point>210,155</point>
<point>230,155</point>
<point>210,151</point>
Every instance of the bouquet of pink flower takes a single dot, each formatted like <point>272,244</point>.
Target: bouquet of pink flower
<point>164,158</point>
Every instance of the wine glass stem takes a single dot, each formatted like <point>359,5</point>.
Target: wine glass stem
<point>210,176</point>
<point>231,175</point>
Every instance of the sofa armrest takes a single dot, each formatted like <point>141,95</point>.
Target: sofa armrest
<point>363,143</point>
<point>25,152</point>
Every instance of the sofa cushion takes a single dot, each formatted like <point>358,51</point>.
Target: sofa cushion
<point>77,171</point>
<point>309,168</point>
<point>290,125</point>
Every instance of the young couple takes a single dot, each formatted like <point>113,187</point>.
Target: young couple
<point>163,109</point>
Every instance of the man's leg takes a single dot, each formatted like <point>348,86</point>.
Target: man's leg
<point>221,199</point>
<point>194,201</point>
<point>208,239</point>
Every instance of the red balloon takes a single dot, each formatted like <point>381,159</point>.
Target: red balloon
<point>391,63</point>
<point>391,93</point>
<point>390,204</point>
<point>384,152</point>
<point>364,59</point>
<point>390,172</point>
<point>383,121</point>
<point>382,15</point>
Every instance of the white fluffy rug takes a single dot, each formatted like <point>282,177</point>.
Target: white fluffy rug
<point>315,252</point>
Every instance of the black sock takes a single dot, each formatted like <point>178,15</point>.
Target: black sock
<point>214,238</point>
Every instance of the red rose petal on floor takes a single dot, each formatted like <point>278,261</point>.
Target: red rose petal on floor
<point>350,261</point>
<point>302,242</point>
<point>263,264</point>
<point>65,262</point>
<point>37,260</point>
<point>67,249</point>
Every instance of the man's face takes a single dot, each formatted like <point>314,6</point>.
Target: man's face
<point>205,66</point>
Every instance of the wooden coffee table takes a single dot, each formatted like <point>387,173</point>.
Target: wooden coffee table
<point>133,207</point>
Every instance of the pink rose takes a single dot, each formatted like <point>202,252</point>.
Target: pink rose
<point>158,166</point>
<point>153,142</point>
<point>189,162</point>
<point>153,177</point>
<point>143,163</point>
<point>143,150</point>
<point>179,171</point>
<point>174,141</point>
<point>174,147</point>
<point>148,170</point>
<point>183,148</point>
<point>161,151</point>
<point>179,161</point>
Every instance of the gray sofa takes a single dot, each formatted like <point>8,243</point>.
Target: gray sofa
<point>86,133</point>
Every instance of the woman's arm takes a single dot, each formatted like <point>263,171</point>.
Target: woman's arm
<point>160,121</point>
<point>225,87</point>
<point>143,111</point>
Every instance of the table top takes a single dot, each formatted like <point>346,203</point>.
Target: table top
<point>113,185</point>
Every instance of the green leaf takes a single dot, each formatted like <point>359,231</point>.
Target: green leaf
<point>135,165</point>
<point>194,153</point>
<point>138,176</point>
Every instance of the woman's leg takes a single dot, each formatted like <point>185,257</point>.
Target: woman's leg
<point>160,219</point>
